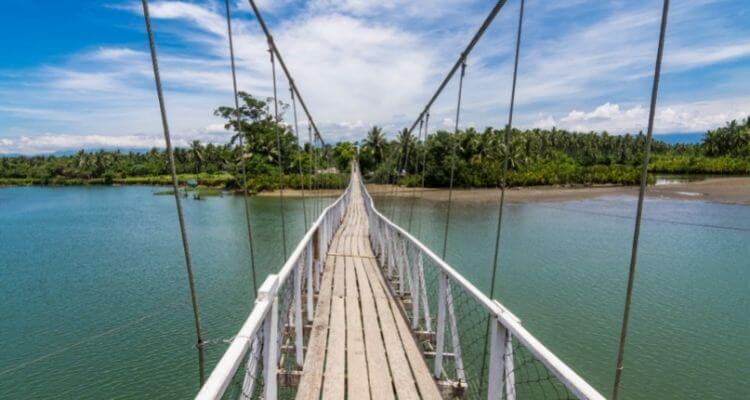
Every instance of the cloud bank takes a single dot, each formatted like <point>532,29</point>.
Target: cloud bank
<point>585,66</point>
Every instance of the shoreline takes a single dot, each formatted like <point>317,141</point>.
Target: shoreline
<point>723,190</point>
<point>729,190</point>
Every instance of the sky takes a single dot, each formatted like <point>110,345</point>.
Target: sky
<point>77,74</point>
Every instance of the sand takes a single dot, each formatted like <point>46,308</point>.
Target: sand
<point>732,190</point>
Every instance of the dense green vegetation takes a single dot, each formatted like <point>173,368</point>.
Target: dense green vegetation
<point>210,164</point>
<point>541,157</point>
<point>535,157</point>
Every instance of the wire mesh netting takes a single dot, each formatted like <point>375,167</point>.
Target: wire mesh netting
<point>466,356</point>
<point>247,382</point>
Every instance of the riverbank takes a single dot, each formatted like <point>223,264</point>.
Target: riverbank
<point>732,190</point>
<point>299,193</point>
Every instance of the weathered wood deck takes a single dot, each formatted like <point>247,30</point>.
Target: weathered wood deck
<point>360,346</point>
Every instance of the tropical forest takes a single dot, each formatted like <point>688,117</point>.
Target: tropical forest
<point>263,152</point>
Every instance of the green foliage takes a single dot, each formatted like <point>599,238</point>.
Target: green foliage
<point>550,157</point>
<point>534,157</point>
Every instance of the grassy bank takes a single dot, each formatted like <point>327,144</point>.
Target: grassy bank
<point>255,184</point>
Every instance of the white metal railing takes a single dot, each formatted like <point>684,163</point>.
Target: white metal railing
<point>284,300</point>
<point>505,360</point>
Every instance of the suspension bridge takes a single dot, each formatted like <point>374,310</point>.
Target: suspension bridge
<point>362,309</point>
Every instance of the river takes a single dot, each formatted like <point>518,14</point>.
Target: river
<point>95,299</point>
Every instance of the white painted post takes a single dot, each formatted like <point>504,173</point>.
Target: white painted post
<point>391,255</point>
<point>457,358</point>
<point>440,341</point>
<point>318,273</point>
<point>414,288</point>
<point>381,242</point>
<point>495,378</point>
<point>423,293</point>
<point>401,260</point>
<point>298,325</point>
<point>403,275</point>
<point>309,270</point>
<point>270,341</point>
<point>510,377</point>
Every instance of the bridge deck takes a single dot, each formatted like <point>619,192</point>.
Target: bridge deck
<point>360,345</point>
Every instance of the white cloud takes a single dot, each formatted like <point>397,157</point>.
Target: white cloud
<point>360,63</point>
<point>686,117</point>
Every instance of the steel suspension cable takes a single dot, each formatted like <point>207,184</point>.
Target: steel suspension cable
<point>641,195</point>
<point>299,162</point>
<point>242,150</point>
<point>416,173</point>
<point>504,181</point>
<point>390,208</point>
<point>275,50</point>
<point>453,158</point>
<point>314,165</point>
<point>276,127</point>
<point>424,161</point>
<point>405,168</point>
<point>175,187</point>
<point>461,59</point>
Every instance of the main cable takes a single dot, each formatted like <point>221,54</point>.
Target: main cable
<point>275,50</point>
<point>175,187</point>
<point>461,59</point>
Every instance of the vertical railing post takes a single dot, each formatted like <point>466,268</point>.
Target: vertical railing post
<point>270,339</point>
<point>423,293</point>
<point>316,258</point>
<point>496,375</point>
<point>440,340</point>
<point>415,288</point>
<point>298,324</point>
<point>456,342</point>
<point>401,254</point>
<point>391,256</point>
<point>510,377</point>
<point>309,289</point>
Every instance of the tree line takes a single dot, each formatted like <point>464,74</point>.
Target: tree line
<point>269,150</point>
<point>543,157</point>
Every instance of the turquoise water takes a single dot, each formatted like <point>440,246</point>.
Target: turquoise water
<point>95,300</point>
<point>563,271</point>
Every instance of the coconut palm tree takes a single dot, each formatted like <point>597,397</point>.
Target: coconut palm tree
<point>198,155</point>
<point>376,143</point>
<point>406,143</point>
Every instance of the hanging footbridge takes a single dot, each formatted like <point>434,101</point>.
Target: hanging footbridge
<point>362,309</point>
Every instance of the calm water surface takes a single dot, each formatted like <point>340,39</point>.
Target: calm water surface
<point>95,300</point>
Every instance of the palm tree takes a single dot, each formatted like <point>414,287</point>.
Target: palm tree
<point>198,155</point>
<point>376,143</point>
<point>405,143</point>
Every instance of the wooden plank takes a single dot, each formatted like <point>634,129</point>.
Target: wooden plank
<point>335,372</point>
<point>427,387</point>
<point>381,385</point>
<point>358,384</point>
<point>312,376</point>
<point>339,282</point>
<point>400,368</point>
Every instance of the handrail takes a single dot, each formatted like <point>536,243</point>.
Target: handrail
<point>288,266</point>
<point>230,362</point>
<point>577,385</point>
<point>222,374</point>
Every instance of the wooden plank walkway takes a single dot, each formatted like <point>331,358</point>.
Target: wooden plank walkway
<point>360,345</point>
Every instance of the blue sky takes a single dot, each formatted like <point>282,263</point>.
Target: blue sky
<point>76,74</point>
